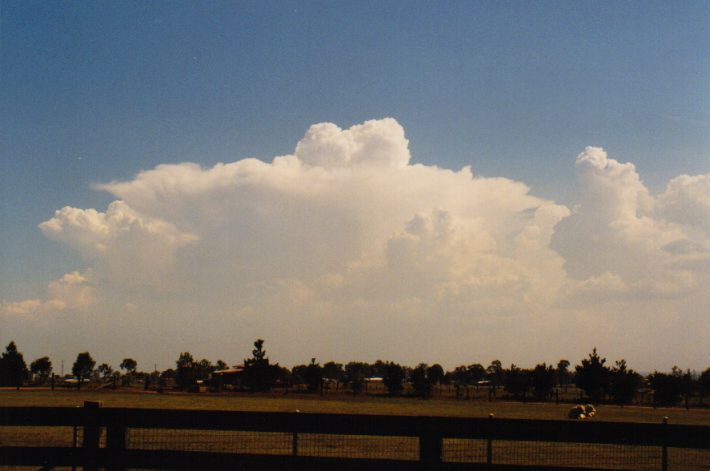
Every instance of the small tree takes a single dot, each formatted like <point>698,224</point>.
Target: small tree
<point>105,371</point>
<point>517,381</point>
<point>259,375</point>
<point>667,388</point>
<point>185,371</point>
<point>355,374</point>
<point>543,380</point>
<point>204,369</point>
<point>83,367</point>
<point>704,385</point>
<point>334,371</point>
<point>313,375</point>
<point>13,369</point>
<point>435,374</point>
<point>393,378</point>
<point>129,365</point>
<point>593,377</point>
<point>563,374</point>
<point>495,373</point>
<point>42,369</point>
<point>421,381</point>
<point>624,383</point>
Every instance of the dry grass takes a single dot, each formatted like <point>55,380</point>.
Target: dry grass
<point>346,404</point>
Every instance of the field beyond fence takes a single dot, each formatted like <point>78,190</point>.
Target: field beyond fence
<point>121,438</point>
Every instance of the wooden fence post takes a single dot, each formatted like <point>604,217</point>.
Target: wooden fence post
<point>664,454</point>
<point>430,444</point>
<point>294,439</point>
<point>92,435</point>
<point>489,441</point>
<point>115,444</point>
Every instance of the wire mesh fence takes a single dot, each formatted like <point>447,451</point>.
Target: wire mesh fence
<point>358,446</point>
<point>404,439</point>
<point>587,455</point>
<point>217,441</point>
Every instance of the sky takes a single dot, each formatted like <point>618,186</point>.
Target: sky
<point>439,182</point>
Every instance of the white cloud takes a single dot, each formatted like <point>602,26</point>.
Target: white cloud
<point>621,229</point>
<point>72,291</point>
<point>345,246</point>
<point>124,245</point>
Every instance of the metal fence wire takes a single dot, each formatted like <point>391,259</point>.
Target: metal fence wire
<point>362,445</point>
<point>505,452</point>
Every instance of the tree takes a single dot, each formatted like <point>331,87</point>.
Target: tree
<point>13,369</point>
<point>259,374</point>
<point>623,383</point>
<point>517,381</point>
<point>83,367</point>
<point>333,371</point>
<point>667,388</point>
<point>704,384</point>
<point>543,380</point>
<point>129,365</point>
<point>105,371</point>
<point>186,374</point>
<point>421,381</point>
<point>593,377</point>
<point>435,374</point>
<point>204,369</point>
<point>471,374</point>
<point>355,374</point>
<point>563,374</point>
<point>495,373</point>
<point>42,369</point>
<point>313,375</point>
<point>393,378</point>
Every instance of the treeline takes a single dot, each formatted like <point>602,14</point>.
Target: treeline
<point>593,377</point>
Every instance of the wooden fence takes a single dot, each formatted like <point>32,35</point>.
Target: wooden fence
<point>105,439</point>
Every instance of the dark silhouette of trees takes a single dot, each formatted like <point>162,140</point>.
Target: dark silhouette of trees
<point>311,375</point>
<point>542,380</point>
<point>204,369</point>
<point>592,377</point>
<point>13,369</point>
<point>667,388</point>
<point>703,385</point>
<point>421,381</point>
<point>355,374</point>
<point>83,367</point>
<point>435,374</point>
<point>563,374</point>
<point>186,371</point>
<point>42,369</point>
<point>465,375</point>
<point>333,371</point>
<point>517,381</point>
<point>259,374</point>
<point>495,373</point>
<point>623,383</point>
<point>129,365</point>
<point>393,378</point>
<point>106,371</point>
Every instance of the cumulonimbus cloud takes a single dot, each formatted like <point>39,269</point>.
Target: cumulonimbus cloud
<point>347,225</point>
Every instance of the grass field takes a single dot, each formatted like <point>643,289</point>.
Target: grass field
<point>345,404</point>
<point>563,454</point>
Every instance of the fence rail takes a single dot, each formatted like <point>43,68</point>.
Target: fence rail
<point>115,438</point>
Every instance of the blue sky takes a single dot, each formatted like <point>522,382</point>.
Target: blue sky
<point>97,92</point>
